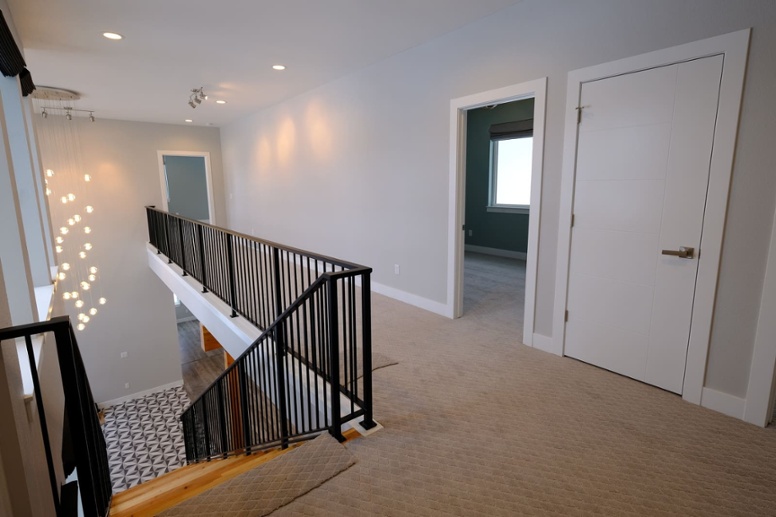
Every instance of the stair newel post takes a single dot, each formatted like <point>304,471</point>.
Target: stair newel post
<point>183,247</point>
<point>246,424</point>
<point>282,391</point>
<point>201,242</point>
<point>232,285</point>
<point>366,328</point>
<point>334,371</point>
<point>222,417</point>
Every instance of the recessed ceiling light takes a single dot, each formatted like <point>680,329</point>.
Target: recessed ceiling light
<point>112,35</point>
<point>219,101</point>
<point>278,67</point>
<point>189,120</point>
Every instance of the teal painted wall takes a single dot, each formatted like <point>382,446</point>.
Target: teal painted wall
<point>491,230</point>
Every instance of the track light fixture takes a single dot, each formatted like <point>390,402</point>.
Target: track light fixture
<point>196,97</point>
<point>44,112</point>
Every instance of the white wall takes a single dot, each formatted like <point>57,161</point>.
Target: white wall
<point>139,317</point>
<point>359,167</point>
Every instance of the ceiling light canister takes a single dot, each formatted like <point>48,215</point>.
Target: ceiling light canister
<point>112,35</point>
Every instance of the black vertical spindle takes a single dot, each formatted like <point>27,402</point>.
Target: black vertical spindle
<point>336,418</point>
<point>230,261</point>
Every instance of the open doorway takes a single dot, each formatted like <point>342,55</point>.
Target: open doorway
<point>501,251</point>
<point>499,150</point>
<point>187,187</point>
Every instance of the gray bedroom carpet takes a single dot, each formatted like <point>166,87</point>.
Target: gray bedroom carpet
<point>478,424</point>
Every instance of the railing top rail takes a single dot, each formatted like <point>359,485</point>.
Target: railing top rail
<point>309,254</point>
<point>34,328</point>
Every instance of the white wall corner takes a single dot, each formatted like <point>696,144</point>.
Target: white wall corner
<point>724,403</point>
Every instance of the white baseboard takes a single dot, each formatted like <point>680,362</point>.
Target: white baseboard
<point>725,403</point>
<point>412,299</point>
<point>545,344</point>
<point>495,251</point>
<point>139,394</point>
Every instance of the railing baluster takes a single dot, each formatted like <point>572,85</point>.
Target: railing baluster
<point>231,273</point>
<point>314,321</point>
<point>336,417</point>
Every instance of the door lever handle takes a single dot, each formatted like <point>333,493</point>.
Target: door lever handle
<point>684,252</point>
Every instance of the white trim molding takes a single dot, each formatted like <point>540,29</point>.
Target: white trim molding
<point>208,175</point>
<point>412,299</point>
<point>762,374</point>
<point>536,89</point>
<point>139,394</point>
<point>725,403</point>
<point>734,47</point>
<point>495,252</point>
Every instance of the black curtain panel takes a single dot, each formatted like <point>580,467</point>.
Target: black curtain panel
<point>11,60</point>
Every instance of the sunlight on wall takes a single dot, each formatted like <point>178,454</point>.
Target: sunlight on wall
<point>319,131</point>
<point>263,155</point>
<point>286,142</point>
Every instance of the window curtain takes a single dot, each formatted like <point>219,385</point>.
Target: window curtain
<point>11,59</point>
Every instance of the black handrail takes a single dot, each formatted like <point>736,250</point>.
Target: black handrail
<point>316,336</point>
<point>85,433</point>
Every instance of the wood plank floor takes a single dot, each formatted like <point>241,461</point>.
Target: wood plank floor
<point>199,368</point>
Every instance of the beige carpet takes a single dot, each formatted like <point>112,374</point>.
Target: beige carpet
<point>478,424</point>
<point>262,490</point>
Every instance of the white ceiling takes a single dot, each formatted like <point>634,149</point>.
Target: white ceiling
<point>227,46</point>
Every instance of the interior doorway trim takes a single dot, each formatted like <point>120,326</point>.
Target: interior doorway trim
<point>734,47</point>
<point>208,175</point>
<point>457,195</point>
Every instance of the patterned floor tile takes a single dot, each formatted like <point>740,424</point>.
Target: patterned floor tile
<point>144,437</point>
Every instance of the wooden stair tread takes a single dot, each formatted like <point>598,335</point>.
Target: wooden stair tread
<point>170,489</point>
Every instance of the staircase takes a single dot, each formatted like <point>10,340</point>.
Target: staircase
<point>169,490</point>
<point>310,371</point>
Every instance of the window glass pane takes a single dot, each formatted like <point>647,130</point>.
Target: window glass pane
<point>513,171</point>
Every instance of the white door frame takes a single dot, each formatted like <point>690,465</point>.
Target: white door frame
<point>758,407</point>
<point>457,195</point>
<point>735,48</point>
<point>208,175</point>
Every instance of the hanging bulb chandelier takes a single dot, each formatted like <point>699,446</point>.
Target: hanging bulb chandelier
<point>67,180</point>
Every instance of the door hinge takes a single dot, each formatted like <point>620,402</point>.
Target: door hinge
<point>566,317</point>
<point>579,113</point>
<point>572,220</point>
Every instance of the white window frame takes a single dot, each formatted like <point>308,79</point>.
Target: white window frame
<point>493,206</point>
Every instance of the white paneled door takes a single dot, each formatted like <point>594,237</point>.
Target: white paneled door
<point>643,153</point>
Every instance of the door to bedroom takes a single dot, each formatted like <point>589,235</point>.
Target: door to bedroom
<point>644,148</point>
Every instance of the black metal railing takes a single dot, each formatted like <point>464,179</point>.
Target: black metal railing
<point>82,434</point>
<point>309,371</point>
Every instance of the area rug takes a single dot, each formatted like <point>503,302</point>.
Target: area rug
<point>272,485</point>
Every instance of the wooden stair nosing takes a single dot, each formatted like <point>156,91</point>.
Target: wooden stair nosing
<point>179,485</point>
<point>166,493</point>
